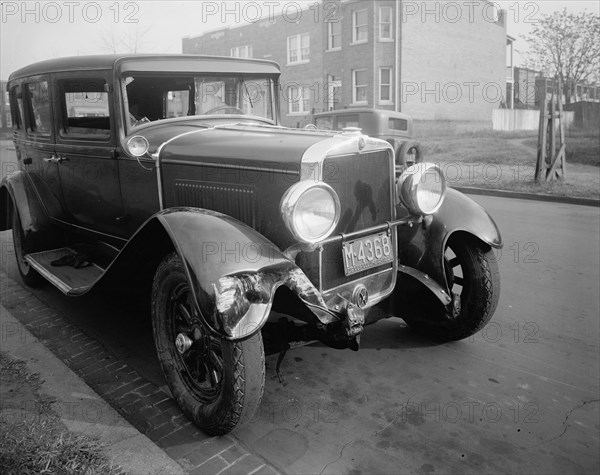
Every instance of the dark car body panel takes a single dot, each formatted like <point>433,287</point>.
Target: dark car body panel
<point>421,247</point>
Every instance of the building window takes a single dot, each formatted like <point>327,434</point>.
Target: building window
<point>385,85</point>
<point>298,48</point>
<point>242,51</point>
<point>360,28</point>
<point>298,98</point>
<point>385,23</point>
<point>334,35</point>
<point>359,86</point>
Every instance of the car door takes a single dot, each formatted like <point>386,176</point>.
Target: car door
<point>37,150</point>
<point>86,152</point>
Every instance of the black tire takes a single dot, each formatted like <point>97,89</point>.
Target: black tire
<point>407,150</point>
<point>472,272</point>
<point>30,276</point>
<point>218,384</point>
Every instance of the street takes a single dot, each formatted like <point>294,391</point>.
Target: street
<point>521,396</point>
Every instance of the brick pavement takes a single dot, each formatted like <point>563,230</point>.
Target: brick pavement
<point>148,407</point>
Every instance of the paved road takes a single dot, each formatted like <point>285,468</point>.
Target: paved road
<point>522,396</point>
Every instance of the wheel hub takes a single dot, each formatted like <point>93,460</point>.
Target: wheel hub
<point>183,343</point>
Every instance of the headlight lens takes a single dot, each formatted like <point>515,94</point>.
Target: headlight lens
<point>310,211</point>
<point>422,188</point>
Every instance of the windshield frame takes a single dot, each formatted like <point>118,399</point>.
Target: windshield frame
<point>271,106</point>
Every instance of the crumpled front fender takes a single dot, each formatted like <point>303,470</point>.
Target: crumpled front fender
<point>234,271</point>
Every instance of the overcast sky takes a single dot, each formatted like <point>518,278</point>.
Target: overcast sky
<point>35,30</point>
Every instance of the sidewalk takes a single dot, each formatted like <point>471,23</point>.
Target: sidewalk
<point>80,409</point>
<point>151,413</point>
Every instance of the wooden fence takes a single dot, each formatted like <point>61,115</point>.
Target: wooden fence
<point>522,119</point>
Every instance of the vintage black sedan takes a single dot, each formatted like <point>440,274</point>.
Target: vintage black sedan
<point>169,176</point>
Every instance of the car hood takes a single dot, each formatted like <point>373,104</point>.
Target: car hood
<point>233,143</point>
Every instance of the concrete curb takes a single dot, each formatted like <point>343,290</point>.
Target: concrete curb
<point>80,408</point>
<point>528,196</point>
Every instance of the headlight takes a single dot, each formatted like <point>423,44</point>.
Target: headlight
<point>421,188</point>
<point>310,211</point>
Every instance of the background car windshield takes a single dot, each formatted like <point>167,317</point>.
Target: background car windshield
<point>150,98</point>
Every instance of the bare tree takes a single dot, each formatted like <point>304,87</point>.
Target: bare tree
<point>566,46</point>
<point>130,41</point>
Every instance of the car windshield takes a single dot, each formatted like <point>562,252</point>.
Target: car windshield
<point>150,98</point>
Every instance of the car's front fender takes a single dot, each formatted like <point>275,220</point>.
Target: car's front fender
<point>234,271</point>
<point>422,247</point>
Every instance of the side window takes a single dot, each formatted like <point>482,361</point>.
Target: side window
<point>324,123</point>
<point>350,120</point>
<point>16,106</point>
<point>398,124</point>
<point>38,107</point>
<point>85,109</point>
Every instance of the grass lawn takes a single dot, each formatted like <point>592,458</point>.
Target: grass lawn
<point>32,437</point>
<point>506,161</point>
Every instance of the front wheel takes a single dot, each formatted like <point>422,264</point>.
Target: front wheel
<point>473,276</point>
<point>217,383</point>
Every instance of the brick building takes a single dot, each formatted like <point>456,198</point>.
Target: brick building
<point>434,60</point>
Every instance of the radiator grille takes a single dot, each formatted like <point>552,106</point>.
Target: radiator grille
<point>363,184</point>
<point>237,201</point>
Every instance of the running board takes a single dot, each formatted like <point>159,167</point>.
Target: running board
<point>67,279</point>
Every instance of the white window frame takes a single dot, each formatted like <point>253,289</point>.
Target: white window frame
<point>391,23</point>
<point>355,27</point>
<point>355,100</point>
<point>302,57</point>
<point>388,85</point>
<point>331,35</point>
<point>244,51</point>
<point>301,95</point>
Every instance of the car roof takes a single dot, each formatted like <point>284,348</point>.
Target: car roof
<point>186,62</point>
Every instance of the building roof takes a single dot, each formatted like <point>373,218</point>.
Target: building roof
<point>177,62</point>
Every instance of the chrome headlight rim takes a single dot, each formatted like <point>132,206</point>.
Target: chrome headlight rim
<point>290,201</point>
<point>141,140</point>
<point>409,182</point>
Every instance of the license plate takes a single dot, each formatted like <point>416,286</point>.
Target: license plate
<point>364,253</point>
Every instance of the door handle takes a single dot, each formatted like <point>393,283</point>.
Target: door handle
<point>54,159</point>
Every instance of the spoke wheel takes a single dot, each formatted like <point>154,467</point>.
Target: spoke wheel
<point>200,359</point>
<point>473,277</point>
<point>29,275</point>
<point>218,384</point>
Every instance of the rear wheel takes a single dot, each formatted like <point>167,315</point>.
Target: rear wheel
<point>217,383</point>
<point>472,273</point>
<point>29,275</point>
